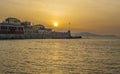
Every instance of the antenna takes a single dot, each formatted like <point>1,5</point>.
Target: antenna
<point>69,25</point>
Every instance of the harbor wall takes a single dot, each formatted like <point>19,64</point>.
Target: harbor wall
<point>11,36</point>
<point>41,35</point>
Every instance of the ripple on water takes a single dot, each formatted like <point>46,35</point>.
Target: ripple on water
<point>84,56</point>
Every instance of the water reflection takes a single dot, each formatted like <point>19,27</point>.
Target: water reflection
<point>85,56</point>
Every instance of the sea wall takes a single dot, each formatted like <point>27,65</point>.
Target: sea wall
<point>42,35</point>
<point>11,36</point>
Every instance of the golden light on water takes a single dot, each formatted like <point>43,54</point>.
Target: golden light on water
<point>55,24</point>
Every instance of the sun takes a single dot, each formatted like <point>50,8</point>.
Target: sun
<point>56,24</point>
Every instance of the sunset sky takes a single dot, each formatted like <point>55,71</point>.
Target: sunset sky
<point>96,16</point>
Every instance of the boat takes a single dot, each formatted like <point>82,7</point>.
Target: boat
<point>76,37</point>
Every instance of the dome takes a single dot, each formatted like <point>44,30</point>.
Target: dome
<point>39,26</point>
<point>13,21</point>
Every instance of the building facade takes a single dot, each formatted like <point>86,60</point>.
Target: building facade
<point>14,28</point>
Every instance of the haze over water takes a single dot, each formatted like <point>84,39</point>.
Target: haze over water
<point>52,56</point>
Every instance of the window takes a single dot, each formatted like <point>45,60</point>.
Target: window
<point>12,28</point>
<point>3,27</point>
<point>20,28</point>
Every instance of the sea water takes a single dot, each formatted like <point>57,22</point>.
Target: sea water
<point>60,56</point>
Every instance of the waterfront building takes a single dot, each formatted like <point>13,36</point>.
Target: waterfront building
<point>14,28</point>
<point>11,20</point>
<point>11,28</point>
<point>26,24</point>
<point>38,27</point>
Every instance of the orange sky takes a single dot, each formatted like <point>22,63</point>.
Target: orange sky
<point>97,16</point>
